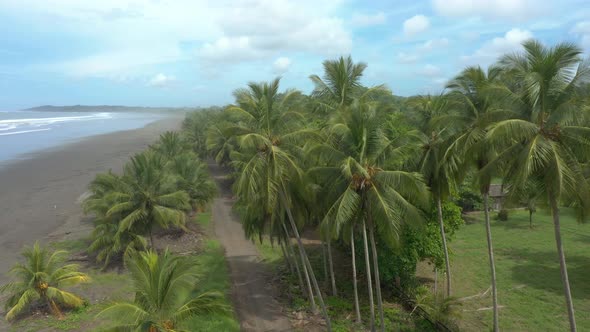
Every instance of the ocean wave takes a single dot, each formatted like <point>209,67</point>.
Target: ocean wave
<point>38,122</point>
<point>23,131</point>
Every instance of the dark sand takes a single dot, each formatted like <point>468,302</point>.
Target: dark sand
<point>40,197</point>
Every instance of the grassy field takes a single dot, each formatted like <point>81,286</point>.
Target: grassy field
<point>529,283</point>
<point>112,285</point>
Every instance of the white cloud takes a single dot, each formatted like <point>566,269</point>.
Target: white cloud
<point>281,65</point>
<point>416,24</point>
<point>364,20</point>
<point>434,44</point>
<point>406,58</point>
<point>162,31</point>
<point>503,9</point>
<point>430,71</point>
<point>161,81</point>
<point>582,29</point>
<point>492,49</point>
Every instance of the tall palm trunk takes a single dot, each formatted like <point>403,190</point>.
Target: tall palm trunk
<point>306,262</point>
<point>287,258</point>
<point>330,263</point>
<point>325,261</point>
<point>304,290</point>
<point>444,243</point>
<point>492,264</point>
<point>296,263</point>
<point>562,265</point>
<point>376,272</point>
<point>369,278</point>
<point>357,309</point>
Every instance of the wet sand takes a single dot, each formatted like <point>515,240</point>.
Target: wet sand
<point>39,196</point>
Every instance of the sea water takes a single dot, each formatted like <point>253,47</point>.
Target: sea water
<point>24,132</point>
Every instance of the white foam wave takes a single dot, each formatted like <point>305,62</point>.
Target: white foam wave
<point>23,131</point>
<point>38,122</point>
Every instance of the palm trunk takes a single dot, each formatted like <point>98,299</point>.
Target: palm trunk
<point>376,272</point>
<point>530,219</point>
<point>152,239</point>
<point>296,263</point>
<point>357,309</point>
<point>444,243</point>
<point>325,261</point>
<point>369,278</point>
<point>287,258</point>
<point>492,264</point>
<point>562,265</point>
<point>306,262</point>
<point>333,279</point>
<point>307,290</point>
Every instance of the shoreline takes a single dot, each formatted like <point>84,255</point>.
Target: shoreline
<point>40,194</point>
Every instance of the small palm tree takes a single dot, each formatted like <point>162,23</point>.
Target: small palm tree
<point>164,294</point>
<point>191,176</point>
<point>144,199</point>
<point>549,140</point>
<point>170,145</point>
<point>41,278</point>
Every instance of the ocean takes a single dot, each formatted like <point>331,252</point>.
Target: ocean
<point>25,132</point>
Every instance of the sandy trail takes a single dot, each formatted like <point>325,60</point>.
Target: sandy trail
<point>252,292</point>
<point>39,197</point>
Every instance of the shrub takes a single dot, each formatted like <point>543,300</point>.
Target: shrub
<point>503,215</point>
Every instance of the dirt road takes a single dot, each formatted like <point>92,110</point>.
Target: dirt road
<point>252,293</point>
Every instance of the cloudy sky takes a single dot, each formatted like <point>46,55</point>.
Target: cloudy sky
<point>193,52</point>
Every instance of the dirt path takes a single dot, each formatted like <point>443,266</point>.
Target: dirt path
<point>252,292</point>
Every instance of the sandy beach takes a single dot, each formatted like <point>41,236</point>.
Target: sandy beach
<point>39,196</point>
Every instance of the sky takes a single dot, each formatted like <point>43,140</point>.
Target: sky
<point>187,53</point>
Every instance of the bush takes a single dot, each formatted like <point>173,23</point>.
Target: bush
<point>469,200</point>
<point>503,215</point>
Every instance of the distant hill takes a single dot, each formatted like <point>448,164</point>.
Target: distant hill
<point>108,108</point>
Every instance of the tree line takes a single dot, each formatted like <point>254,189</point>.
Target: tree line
<point>378,173</point>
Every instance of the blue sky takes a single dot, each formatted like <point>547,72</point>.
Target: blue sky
<point>195,53</point>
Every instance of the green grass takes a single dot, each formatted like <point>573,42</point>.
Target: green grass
<point>340,308</point>
<point>529,283</point>
<point>111,286</point>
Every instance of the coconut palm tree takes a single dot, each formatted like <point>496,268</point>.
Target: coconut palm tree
<point>170,145</point>
<point>269,139</point>
<point>366,184</point>
<point>550,138</point>
<point>108,241</point>
<point>434,143</point>
<point>474,89</point>
<point>340,84</point>
<point>41,278</point>
<point>144,200</point>
<point>190,175</point>
<point>166,294</point>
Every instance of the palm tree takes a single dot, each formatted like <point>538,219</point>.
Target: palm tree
<point>550,138</point>
<point>165,297</point>
<point>144,200</point>
<point>108,241</point>
<point>473,89</point>
<point>190,175</point>
<point>42,278</point>
<point>268,137</point>
<point>340,84</point>
<point>365,184</point>
<point>434,143</point>
<point>169,145</point>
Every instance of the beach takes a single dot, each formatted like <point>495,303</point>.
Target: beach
<point>40,195</point>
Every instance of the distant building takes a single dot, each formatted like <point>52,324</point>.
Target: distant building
<point>496,195</point>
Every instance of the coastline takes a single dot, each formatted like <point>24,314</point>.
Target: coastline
<point>40,195</point>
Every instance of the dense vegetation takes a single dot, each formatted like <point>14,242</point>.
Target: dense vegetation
<point>358,163</point>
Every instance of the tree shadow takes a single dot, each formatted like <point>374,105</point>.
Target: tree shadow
<point>540,270</point>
